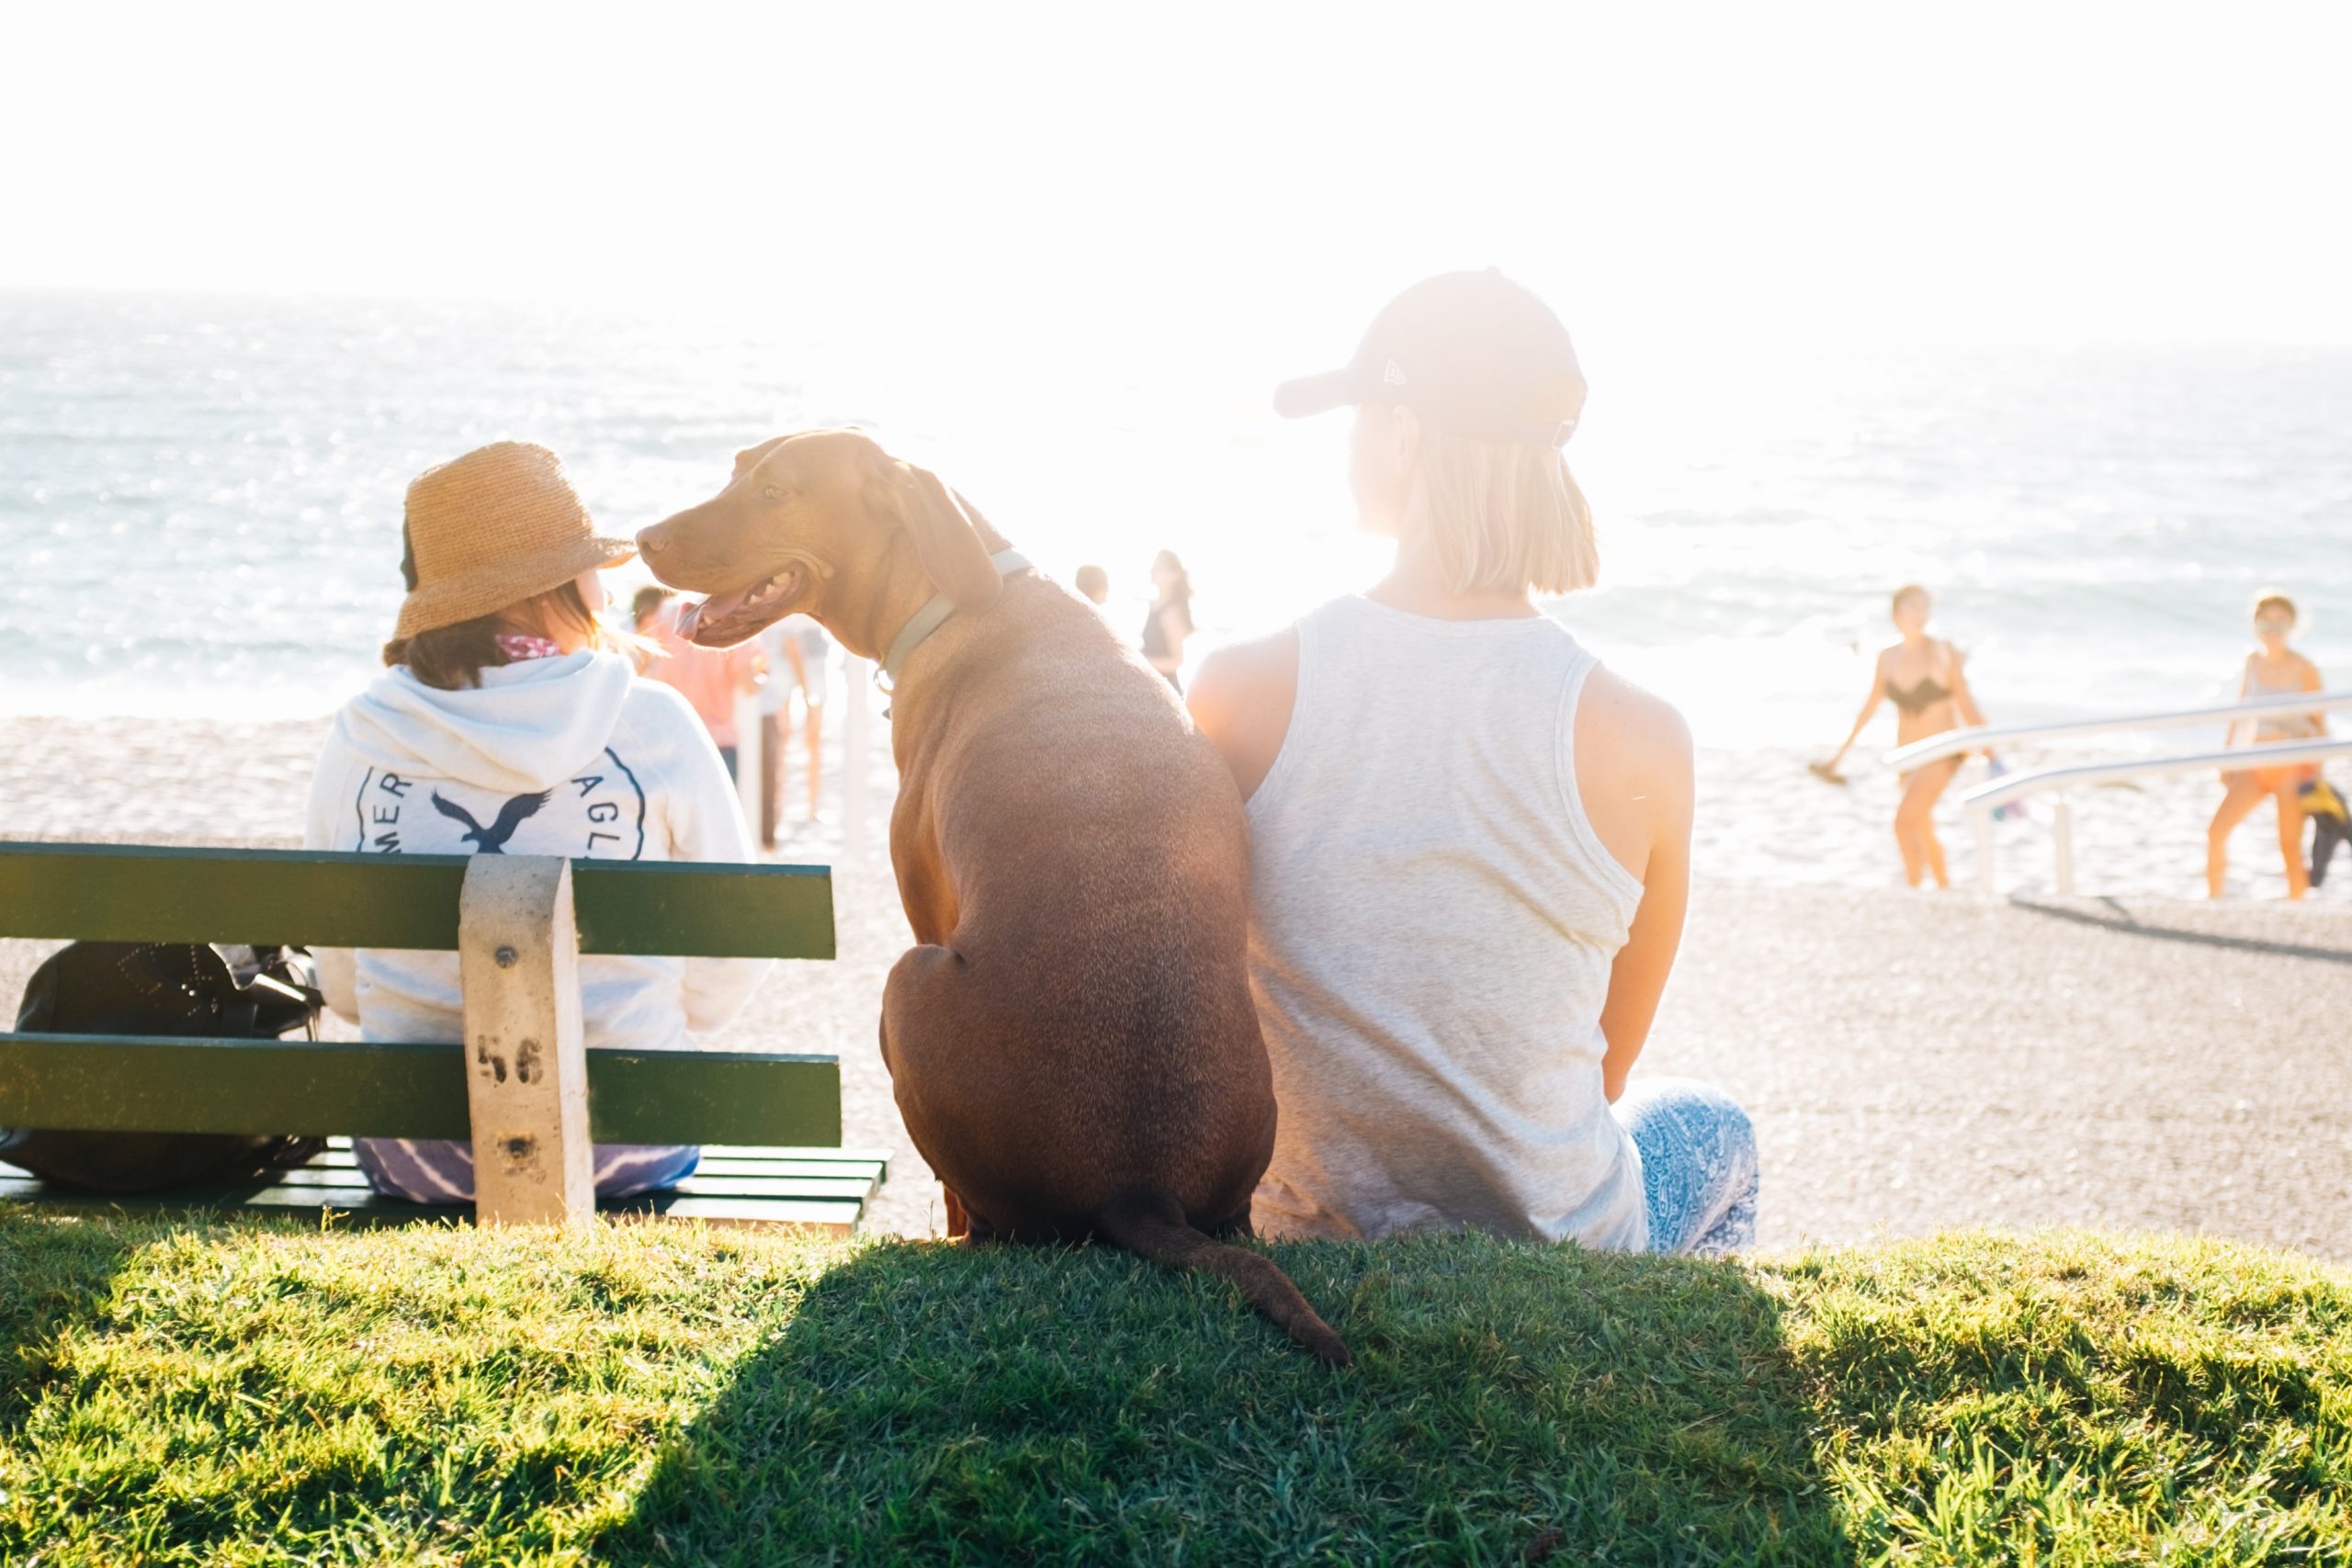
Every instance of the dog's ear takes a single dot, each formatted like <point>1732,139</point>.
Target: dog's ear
<point>947,539</point>
<point>749,458</point>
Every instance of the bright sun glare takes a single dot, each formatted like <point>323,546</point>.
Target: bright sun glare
<point>1063,253</point>
<point>1208,177</point>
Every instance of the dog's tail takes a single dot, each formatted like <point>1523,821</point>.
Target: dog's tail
<point>1152,1226</point>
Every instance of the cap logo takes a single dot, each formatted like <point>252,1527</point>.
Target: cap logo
<point>1393,376</point>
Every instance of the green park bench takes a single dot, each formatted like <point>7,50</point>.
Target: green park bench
<point>523,1087</point>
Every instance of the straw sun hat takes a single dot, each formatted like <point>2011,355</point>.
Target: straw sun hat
<point>493,528</point>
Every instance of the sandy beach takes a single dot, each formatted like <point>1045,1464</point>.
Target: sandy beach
<point>2132,1058</point>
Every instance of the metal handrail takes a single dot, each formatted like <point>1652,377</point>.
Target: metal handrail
<point>1979,802</point>
<point>2235,759</point>
<point>1975,737</point>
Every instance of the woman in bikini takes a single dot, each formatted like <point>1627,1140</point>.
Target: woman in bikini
<point>2271,670</point>
<point>1927,680</point>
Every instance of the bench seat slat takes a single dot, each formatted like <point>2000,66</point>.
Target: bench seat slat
<point>396,1090</point>
<point>837,1217</point>
<point>841,1169</point>
<point>311,1179</point>
<point>734,1165</point>
<point>361,1205</point>
<point>335,898</point>
<point>332,1182</point>
<point>714,1150</point>
<point>730,1159</point>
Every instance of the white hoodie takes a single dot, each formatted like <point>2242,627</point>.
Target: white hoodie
<point>573,756</point>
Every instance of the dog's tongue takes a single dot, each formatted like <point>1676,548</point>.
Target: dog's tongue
<point>710,614</point>
<point>729,617</point>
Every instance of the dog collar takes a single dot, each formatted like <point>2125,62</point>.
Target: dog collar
<point>933,616</point>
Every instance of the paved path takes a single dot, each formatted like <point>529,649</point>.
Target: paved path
<point>1915,1062</point>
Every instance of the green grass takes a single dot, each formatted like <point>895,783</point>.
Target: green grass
<point>249,1394</point>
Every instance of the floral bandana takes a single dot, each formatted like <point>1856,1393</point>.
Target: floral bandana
<point>520,646</point>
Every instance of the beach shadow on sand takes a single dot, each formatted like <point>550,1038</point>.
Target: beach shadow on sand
<point>929,1403</point>
<point>2120,918</point>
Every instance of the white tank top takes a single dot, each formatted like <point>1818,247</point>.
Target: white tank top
<point>1432,927</point>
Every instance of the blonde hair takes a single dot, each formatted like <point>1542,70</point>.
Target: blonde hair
<point>2269,596</point>
<point>1502,518</point>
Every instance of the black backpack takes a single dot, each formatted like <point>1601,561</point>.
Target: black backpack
<point>175,988</point>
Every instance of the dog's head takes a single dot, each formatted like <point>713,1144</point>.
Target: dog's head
<point>808,521</point>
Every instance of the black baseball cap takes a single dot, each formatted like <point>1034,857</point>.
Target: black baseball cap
<point>1472,352</point>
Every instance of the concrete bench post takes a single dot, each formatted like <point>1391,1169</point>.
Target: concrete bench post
<point>527,1063</point>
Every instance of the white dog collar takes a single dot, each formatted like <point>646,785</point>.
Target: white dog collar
<point>933,616</point>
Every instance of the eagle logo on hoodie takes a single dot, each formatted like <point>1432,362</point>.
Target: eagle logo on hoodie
<point>491,841</point>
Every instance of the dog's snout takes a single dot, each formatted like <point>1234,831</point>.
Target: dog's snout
<point>650,542</point>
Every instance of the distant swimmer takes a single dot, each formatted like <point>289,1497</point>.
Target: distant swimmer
<point>1927,679</point>
<point>2271,670</point>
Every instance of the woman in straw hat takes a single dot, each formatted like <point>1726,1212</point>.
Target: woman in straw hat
<point>509,723</point>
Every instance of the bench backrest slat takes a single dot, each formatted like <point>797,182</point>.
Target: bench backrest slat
<point>323,899</point>
<point>377,1089</point>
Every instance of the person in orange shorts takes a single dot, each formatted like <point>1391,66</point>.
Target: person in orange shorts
<point>2271,670</point>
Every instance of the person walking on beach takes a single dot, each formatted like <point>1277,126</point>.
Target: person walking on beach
<point>1927,680</point>
<point>510,722</point>
<point>2271,670</point>
<point>1470,841</point>
<point>1169,621</point>
<point>1093,584</point>
<point>800,660</point>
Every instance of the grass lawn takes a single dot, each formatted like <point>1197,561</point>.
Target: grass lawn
<point>249,1395</point>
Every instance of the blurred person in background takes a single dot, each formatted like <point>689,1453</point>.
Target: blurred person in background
<point>642,611</point>
<point>710,679</point>
<point>2271,670</point>
<point>800,660</point>
<point>1927,680</point>
<point>1094,584</point>
<point>1171,620</point>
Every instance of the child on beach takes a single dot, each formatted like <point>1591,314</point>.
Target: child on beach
<point>510,723</point>
<point>1470,842</point>
<point>2271,670</point>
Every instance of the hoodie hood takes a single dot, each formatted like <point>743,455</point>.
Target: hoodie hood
<point>527,725</point>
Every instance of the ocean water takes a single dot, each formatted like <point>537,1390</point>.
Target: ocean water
<point>199,497</point>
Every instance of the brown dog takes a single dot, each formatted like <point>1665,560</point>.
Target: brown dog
<point>1073,1044</point>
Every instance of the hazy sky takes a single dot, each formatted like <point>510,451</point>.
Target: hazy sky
<point>2132,171</point>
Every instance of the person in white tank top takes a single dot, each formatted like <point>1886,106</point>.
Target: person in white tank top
<point>1470,841</point>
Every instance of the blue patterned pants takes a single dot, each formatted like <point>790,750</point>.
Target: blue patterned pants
<point>1699,1175</point>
